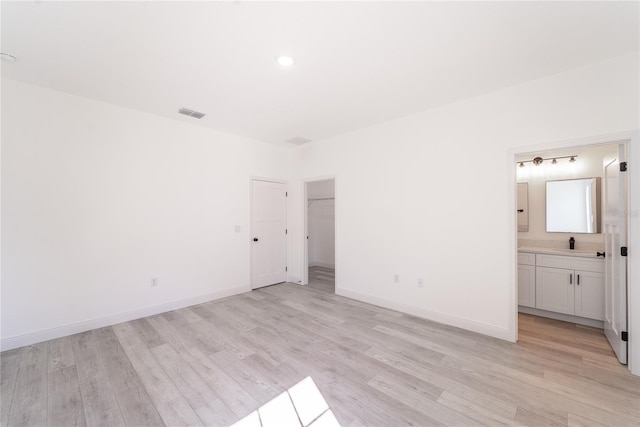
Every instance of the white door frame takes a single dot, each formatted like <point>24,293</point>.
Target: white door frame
<point>250,227</point>
<point>305,232</point>
<point>632,138</point>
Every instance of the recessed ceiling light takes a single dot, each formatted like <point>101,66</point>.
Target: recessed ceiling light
<point>285,60</point>
<point>8,58</point>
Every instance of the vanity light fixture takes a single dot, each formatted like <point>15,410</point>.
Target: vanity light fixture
<point>539,160</point>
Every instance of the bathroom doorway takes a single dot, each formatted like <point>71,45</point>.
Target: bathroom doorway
<point>563,291</point>
<point>320,226</point>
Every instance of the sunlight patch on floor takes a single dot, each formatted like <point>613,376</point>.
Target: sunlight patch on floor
<point>302,405</point>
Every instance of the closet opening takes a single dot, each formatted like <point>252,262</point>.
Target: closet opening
<point>320,232</point>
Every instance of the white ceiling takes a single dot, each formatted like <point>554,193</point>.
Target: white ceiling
<point>357,63</point>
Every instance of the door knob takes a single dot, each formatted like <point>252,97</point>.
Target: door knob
<point>255,239</point>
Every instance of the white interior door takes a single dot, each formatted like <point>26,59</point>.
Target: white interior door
<point>615,234</point>
<point>269,238</point>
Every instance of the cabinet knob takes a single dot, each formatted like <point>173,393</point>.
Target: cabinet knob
<point>602,254</point>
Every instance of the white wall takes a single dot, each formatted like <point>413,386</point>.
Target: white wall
<point>97,199</point>
<point>321,223</point>
<point>588,164</point>
<point>432,195</point>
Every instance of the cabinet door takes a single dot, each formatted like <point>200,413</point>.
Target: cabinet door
<point>527,285</point>
<point>589,294</point>
<point>554,289</point>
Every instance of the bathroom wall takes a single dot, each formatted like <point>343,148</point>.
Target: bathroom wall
<point>588,165</point>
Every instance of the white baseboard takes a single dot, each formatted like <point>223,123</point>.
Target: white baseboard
<point>321,264</point>
<point>436,316</point>
<point>561,316</point>
<point>87,325</point>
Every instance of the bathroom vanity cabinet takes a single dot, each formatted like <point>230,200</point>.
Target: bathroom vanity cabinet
<point>563,284</point>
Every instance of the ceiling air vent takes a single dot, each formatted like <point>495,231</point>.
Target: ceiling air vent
<point>298,140</point>
<point>187,112</point>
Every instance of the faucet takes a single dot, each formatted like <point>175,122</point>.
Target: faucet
<point>572,243</point>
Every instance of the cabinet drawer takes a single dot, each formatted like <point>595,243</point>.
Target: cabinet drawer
<point>526,258</point>
<point>570,262</point>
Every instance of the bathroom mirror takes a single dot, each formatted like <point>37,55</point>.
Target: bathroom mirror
<point>523,206</point>
<point>573,206</point>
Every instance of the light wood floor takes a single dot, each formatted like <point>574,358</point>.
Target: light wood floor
<point>214,363</point>
<point>322,278</point>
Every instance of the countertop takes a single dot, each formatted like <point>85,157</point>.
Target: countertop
<point>560,251</point>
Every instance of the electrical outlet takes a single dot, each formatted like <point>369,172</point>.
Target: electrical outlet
<point>420,283</point>
<point>154,281</point>
<point>396,278</point>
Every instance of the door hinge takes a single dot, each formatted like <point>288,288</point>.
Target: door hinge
<point>623,251</point>
<point>286,194</point>
<point>286,269</point>
<point>624,336</point>
<point>286,231</point>
<point>623,166</point>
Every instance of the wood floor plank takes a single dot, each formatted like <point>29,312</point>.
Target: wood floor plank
<point>195,335</point>
<point>9,369</point>
<point>29,406</point>
<point>169,402</point>
<point>135,404</point>
<point>257,385</point>
<point>534,394</point>
<point>210,409</point>
<point>576,420</point>
<point>535,419</point>
<point>434,412</point>
<point>431,372</point>
<point>147,333</point>
<point>98,398</point>
<point>229,391</point>
<point>474,410</point>
<point>64,406</point>
<point>64,402</point>
<point>61,353</point>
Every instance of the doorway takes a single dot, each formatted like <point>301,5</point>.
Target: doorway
<point>320,226</point>
<point>566,279</point>
<point>268,233</point>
